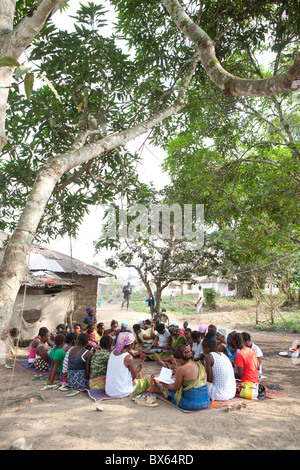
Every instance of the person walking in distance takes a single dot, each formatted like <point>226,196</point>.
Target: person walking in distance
<point>199,303</point>
<point>127,291</point>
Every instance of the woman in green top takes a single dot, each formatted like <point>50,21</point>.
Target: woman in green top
<point>57,355</point>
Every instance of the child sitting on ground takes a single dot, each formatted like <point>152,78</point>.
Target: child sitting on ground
<point>256,349</point>
<point>197,346</point>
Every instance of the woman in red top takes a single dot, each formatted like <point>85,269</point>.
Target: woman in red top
<point>246,361</point>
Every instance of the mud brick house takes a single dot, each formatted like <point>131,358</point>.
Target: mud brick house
<point>58,289</point>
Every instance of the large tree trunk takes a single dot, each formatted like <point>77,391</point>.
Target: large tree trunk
<point>14,266</point>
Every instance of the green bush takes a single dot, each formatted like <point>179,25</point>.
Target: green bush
<point>210,297</point>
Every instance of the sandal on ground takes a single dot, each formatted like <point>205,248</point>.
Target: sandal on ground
<point>146,401</point>
<point>72,393</point>
<point>50,387</point>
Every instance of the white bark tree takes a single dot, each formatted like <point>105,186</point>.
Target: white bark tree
<point>14,41</point>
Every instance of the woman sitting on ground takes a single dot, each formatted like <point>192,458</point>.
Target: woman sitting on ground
<point>197,346</point>
<point>144,337</point>
<point>221,338</point>
<point>112,331</point>
<point>99,363</point>
<point>246,361</point>
<point>123,377</point>
<point>57,355</point>
<point>79,364</point>
<point>161,344</point>
<point>231,348</point>
<point>43,351</point>
<point>92,339</point>
<point>189,391</point>
<point>259,354</point>
<point>220,374</point>
<point>35,342</point>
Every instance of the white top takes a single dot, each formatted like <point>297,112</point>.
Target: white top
<point>223,385</point>
<point>163,339</point>
<point>197,349</point>
<point>118,377</point>
<point>257,350</point>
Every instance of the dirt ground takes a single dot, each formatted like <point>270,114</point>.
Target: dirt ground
<point>49,420</point>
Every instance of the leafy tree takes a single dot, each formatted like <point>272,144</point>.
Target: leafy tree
<point>153,90</point>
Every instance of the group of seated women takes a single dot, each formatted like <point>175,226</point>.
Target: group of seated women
<point>206,364</point>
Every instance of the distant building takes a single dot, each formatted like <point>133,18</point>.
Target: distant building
<point>224,287</point>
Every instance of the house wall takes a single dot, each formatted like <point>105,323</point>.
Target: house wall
<point>85,295</point>
<point>220,287</point>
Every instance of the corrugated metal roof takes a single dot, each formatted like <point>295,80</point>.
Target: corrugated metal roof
<point>42,258</point>
<point>39,262</point>
<point>48,279</point>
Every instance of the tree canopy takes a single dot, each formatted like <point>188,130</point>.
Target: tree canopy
<point>97,98</point>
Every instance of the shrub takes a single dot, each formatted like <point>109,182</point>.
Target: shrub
<point>210,297</point>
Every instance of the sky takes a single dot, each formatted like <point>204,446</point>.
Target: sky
<point>149,170</point>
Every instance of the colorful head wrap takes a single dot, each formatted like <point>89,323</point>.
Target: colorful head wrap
<point>202,329</point>
<point>89,310</point>
<point>124,324</point>
<point>123,340</point>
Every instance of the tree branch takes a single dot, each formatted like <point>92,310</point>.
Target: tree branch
<point>232,86</point>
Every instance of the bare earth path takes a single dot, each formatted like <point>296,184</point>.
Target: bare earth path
<point>51,421</point>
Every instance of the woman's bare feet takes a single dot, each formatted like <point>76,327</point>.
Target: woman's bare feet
<point>142,356</point>
<point>160,361</point>
<point>174,363</point>
<point>154,387</point>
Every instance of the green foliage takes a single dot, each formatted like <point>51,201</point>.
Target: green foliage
<point>210,294</point>
<point>251,166</point>
<point>86,78</point>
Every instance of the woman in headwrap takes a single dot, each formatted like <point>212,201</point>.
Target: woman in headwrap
<point>221,338</point>
<point>123,378</point>
<point>99,363</point>
<point>189,391</point>
<point>89,318</point>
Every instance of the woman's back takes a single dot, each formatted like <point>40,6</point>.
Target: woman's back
<point>223,386</point>
<point>118,377</point>
<point>77,358</point>
<point>190,371</point>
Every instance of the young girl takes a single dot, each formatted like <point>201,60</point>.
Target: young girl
<point>221,340</point>
<point>231,349</point>
<point>43,351</point>
<point>249,344</point>
<point>246,361</point>
<point>197,346</point>
<point>35,343</point>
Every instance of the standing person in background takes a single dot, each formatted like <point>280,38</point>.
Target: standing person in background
<point>199,303</point>
<point>127,291</point>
